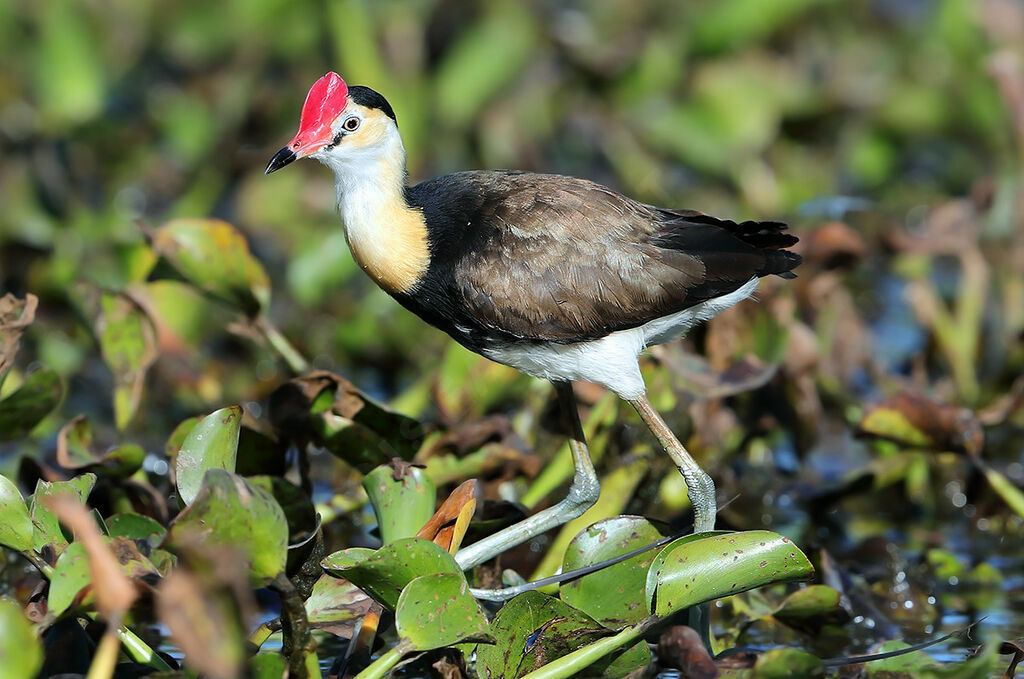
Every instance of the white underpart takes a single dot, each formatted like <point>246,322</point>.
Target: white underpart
<point>612,360</point>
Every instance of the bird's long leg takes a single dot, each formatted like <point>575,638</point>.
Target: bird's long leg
<point>583,493</point>
<point>699,485</point>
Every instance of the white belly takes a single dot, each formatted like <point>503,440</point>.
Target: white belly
<point>612,360</point>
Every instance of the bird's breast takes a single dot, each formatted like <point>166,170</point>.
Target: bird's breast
<point>390,245</point>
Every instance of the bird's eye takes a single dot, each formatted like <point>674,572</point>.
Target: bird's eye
<point>351,124</point>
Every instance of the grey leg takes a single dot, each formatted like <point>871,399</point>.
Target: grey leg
<point>699,485</point>
<point>582,495</point>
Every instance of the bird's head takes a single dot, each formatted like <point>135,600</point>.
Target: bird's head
<point>342,127</point>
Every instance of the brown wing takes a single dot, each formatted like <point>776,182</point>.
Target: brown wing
<point>563,259</point>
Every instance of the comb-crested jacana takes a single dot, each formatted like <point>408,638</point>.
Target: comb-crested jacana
<point>558,277</point>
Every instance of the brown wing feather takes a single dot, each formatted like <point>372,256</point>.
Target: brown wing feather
<point>563,259</point>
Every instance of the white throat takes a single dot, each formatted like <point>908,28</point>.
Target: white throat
<point>368,179</point>
<point>388,238</point>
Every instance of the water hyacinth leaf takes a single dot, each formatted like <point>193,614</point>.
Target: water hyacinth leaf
<point>36,398</point>
<point>299,511</point>
<point>178,436</point>
<point>136,527</point>
<point>74,451</point>
<point>384,573</point>
<point>613,595</point>
<point>811,608</point>
<point>788,663</point>
<point>335,414</point>
<point>654,569</point>
<point>46,528</point>
<point>15,521</point>
<point>70,575</point>
<point>127,340</point>
<point>214,256</point>
<point>15,315</point>
<point>533,628</point>
<point>913,420</point>
<point>722,565</point>
<point>21,654</point>
<point>336,605</point>
<point>212,444</point>
<point>437,610</point>
<point>228,510</point>
<point>402,498</point>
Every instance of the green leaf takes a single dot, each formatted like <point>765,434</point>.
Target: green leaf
<point>299,510</point>
<point>268,666</point>
<point>614,595</point>
<point>70,575</point>
<point>811,608</point>
<point>533,628</point>
<point>1011,494</point>
<point>136,527</point>
<point>228,510</point>
<point>384,573</point>
<point>908,665</point>
<point>893,425</point>
<point>653,571</point>
<point>788,663</point>
<point>212,444</point>
<point>437,610</point>
<point>74,452</point>
<point>127,340</point>
<point>15,521</point>
<point>46,528</point>
<point>214,256</point>
<point>710,567</point>
<point>402,506</point>
<point>36,398</point>
<point>335,605</point>
<point>336,415</point>
<point>21,654</point>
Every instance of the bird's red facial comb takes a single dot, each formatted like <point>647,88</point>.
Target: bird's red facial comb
<point>326,100</point>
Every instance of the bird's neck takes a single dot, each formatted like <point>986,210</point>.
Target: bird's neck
<point>388,238</point>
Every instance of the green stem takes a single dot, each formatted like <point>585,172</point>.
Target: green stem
<point>290,354</point>
<point>382,665</point>
<point>260,635</point>
<point>105,660</point>
<point>313,665</point>
<point>139,651</point>
<point>572,664</point>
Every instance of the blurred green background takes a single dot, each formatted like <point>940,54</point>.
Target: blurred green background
<point>114,112</point>
<point>887,132</point>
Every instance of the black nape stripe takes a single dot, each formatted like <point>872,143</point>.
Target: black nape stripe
<point>364,96</point>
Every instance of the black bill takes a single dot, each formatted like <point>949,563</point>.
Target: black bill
<point>280,159</point>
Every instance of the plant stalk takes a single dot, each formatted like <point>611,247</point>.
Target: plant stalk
<point>382,665</point>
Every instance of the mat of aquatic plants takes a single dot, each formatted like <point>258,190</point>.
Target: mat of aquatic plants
<point>223,453</point>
